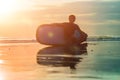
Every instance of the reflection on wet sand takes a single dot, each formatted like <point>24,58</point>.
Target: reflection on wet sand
<point>61,56</point>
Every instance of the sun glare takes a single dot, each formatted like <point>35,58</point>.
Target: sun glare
<point>8,6</point>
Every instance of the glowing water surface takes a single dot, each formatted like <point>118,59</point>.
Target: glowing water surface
<point>98,60</point>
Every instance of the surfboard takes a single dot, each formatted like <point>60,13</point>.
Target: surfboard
<point>50,35</point>
<point>53,34</point>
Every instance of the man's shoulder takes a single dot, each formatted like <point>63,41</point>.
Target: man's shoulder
<point>76,24</point>
<point>65,23</point>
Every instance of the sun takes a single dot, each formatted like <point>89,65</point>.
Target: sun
<point>8,6</point>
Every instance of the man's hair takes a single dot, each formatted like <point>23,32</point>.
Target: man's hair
<point>71,16</point>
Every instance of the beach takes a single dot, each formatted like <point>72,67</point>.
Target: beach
<point>23,58</point>
<point>98,60</point>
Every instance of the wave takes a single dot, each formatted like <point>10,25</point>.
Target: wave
<point>103,38</point>
<point>18,41</point>
<point>90,38</point>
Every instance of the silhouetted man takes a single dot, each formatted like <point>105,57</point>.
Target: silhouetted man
<point>73,34</point>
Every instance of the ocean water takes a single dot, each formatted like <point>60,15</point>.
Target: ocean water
<point>98,59</point>
<point>94,60</point>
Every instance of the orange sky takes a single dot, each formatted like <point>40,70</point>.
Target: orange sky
<point>20,18</point>
<point>15,19</point>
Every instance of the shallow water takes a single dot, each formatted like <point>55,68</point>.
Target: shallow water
<point>98,60</point>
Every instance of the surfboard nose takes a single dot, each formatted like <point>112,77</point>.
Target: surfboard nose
<point>50,35</point>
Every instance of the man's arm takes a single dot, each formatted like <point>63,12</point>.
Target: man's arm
<point>83,35</point>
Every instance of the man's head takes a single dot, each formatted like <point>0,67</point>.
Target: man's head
<point>72,18</point>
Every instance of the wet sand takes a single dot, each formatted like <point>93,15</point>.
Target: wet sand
<point>98,60</point>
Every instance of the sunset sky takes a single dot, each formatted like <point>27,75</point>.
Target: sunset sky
<point>20,18</point>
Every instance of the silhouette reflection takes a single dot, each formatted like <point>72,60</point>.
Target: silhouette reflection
<point>62,56</point>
